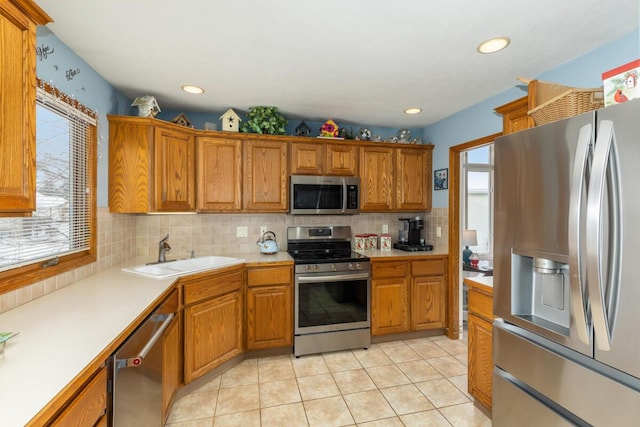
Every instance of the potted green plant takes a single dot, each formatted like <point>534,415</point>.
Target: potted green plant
<point>267,120</point>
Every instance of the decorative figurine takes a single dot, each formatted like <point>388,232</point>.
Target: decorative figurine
<point>147,106</point>
<point>230,121</point>
<point>364,134</point>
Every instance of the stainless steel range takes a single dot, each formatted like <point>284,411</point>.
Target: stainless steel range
<point>332,290</point>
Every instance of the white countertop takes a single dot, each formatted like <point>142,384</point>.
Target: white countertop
<point>396,253</point>
<point>63,332</point>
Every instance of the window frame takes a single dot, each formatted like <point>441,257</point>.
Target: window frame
<point>480,167</point>
<point>28,274</point>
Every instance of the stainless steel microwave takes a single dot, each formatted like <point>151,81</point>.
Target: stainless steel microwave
<point>324,195</point>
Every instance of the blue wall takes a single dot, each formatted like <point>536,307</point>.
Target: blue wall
<point>64,69</point>
<point>480,119</point>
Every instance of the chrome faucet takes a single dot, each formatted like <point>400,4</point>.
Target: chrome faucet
<point>163,248</point>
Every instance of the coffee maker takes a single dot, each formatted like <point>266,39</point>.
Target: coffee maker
<point>409,238</point>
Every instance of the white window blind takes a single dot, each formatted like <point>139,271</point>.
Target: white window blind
<point>61,224</point>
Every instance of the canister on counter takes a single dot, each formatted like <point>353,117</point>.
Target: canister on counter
<point>361,242</point>
<point>385,242</point>
<point>373,242</point>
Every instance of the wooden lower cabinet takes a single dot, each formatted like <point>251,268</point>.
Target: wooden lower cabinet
<point>89,406</point>
<point>428,294</point>
<point>389,306</point>
<point>480,355</point>
<point>269,307</point>
<point>408,295</point>
<point>212,321</point>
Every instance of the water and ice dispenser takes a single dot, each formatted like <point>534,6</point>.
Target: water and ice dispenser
<point>540,292</point>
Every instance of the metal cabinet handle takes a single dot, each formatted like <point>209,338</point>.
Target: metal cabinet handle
<point>603,291</point>
<point>133,362</point>
<point>336,278</point>
<point>576,231</point>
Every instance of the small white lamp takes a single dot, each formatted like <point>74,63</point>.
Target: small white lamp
<point>469,238</point>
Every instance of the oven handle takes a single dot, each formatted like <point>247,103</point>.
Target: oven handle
<point>336,278</point>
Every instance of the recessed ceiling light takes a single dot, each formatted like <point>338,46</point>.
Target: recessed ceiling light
<point>413,110</point>
<point>493,45</point>
<point>192,89</point>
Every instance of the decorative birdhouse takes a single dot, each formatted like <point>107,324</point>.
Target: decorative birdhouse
<point>302,129</point>
<point>329,129</point>
<point>182,120</point>
<point>230,121</point>
<point>147,106</point>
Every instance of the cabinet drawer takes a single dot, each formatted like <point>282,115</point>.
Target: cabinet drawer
<point>428,267</point>
<point>389,269</point>
<point>212,286</point>
<point>264,276</point>
<point>481,304</point>
<point>88,406</point>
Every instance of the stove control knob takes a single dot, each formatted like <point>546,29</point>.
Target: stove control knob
<point>315,267</point>
<point>358,267</point>
<point>333,267</point>
<point>352,266</point>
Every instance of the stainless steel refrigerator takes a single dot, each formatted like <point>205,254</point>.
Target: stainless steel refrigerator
<point>567,272</point>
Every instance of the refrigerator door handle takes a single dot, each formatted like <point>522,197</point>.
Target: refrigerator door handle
<point>579,177</point>
<point>604,244</point>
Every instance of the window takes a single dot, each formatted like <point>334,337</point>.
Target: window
<point>478,212</point>
<point>60,234</point>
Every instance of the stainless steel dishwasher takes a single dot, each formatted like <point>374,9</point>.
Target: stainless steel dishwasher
<point>136,371</point>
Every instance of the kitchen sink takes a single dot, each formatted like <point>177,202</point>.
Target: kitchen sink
<point>181,267</point>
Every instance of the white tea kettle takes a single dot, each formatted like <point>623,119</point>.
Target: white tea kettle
<point>267,243</point>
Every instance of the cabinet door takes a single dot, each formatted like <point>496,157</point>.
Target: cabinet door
<point>130,145</point>
<point>213,334</point>
<point>376,179</point>
<point>18,106</point>
<point>174,174</point>
<point>389,306</point>
<point>265,176</point>
<point>171,364</point>
<point>480,359</point>
<point>219,174</point>
<point>342,160</point>
<point>307,158</point>
<point>514,116</point>
<point>88,406</point>
<point>269,317</point>
<point>413,179</point>
<point>428,303</point>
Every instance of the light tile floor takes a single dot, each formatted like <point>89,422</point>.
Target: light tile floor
<point>420,382</point>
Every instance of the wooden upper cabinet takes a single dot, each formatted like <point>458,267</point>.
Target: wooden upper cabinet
<point>342,160</point>
<point>151,166</point>
<point>324,158</point>
<point>174,171</point>
<point>376,179</point>
<point>413,179</point>
<point>307,158</point>
<point>265,175</point>
<point>219,174</point>
<point>514,116</point>
<point>18,21</point>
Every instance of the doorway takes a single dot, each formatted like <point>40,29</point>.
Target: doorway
<point>455,263</point>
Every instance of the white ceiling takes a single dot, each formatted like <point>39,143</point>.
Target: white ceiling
<point>356,61</point>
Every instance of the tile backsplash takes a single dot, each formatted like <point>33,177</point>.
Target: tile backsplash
<point>122,237</point>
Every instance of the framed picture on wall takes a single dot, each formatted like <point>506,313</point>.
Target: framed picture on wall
<point>441,179</point>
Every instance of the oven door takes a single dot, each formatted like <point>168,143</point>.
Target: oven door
<point>332,302</point>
